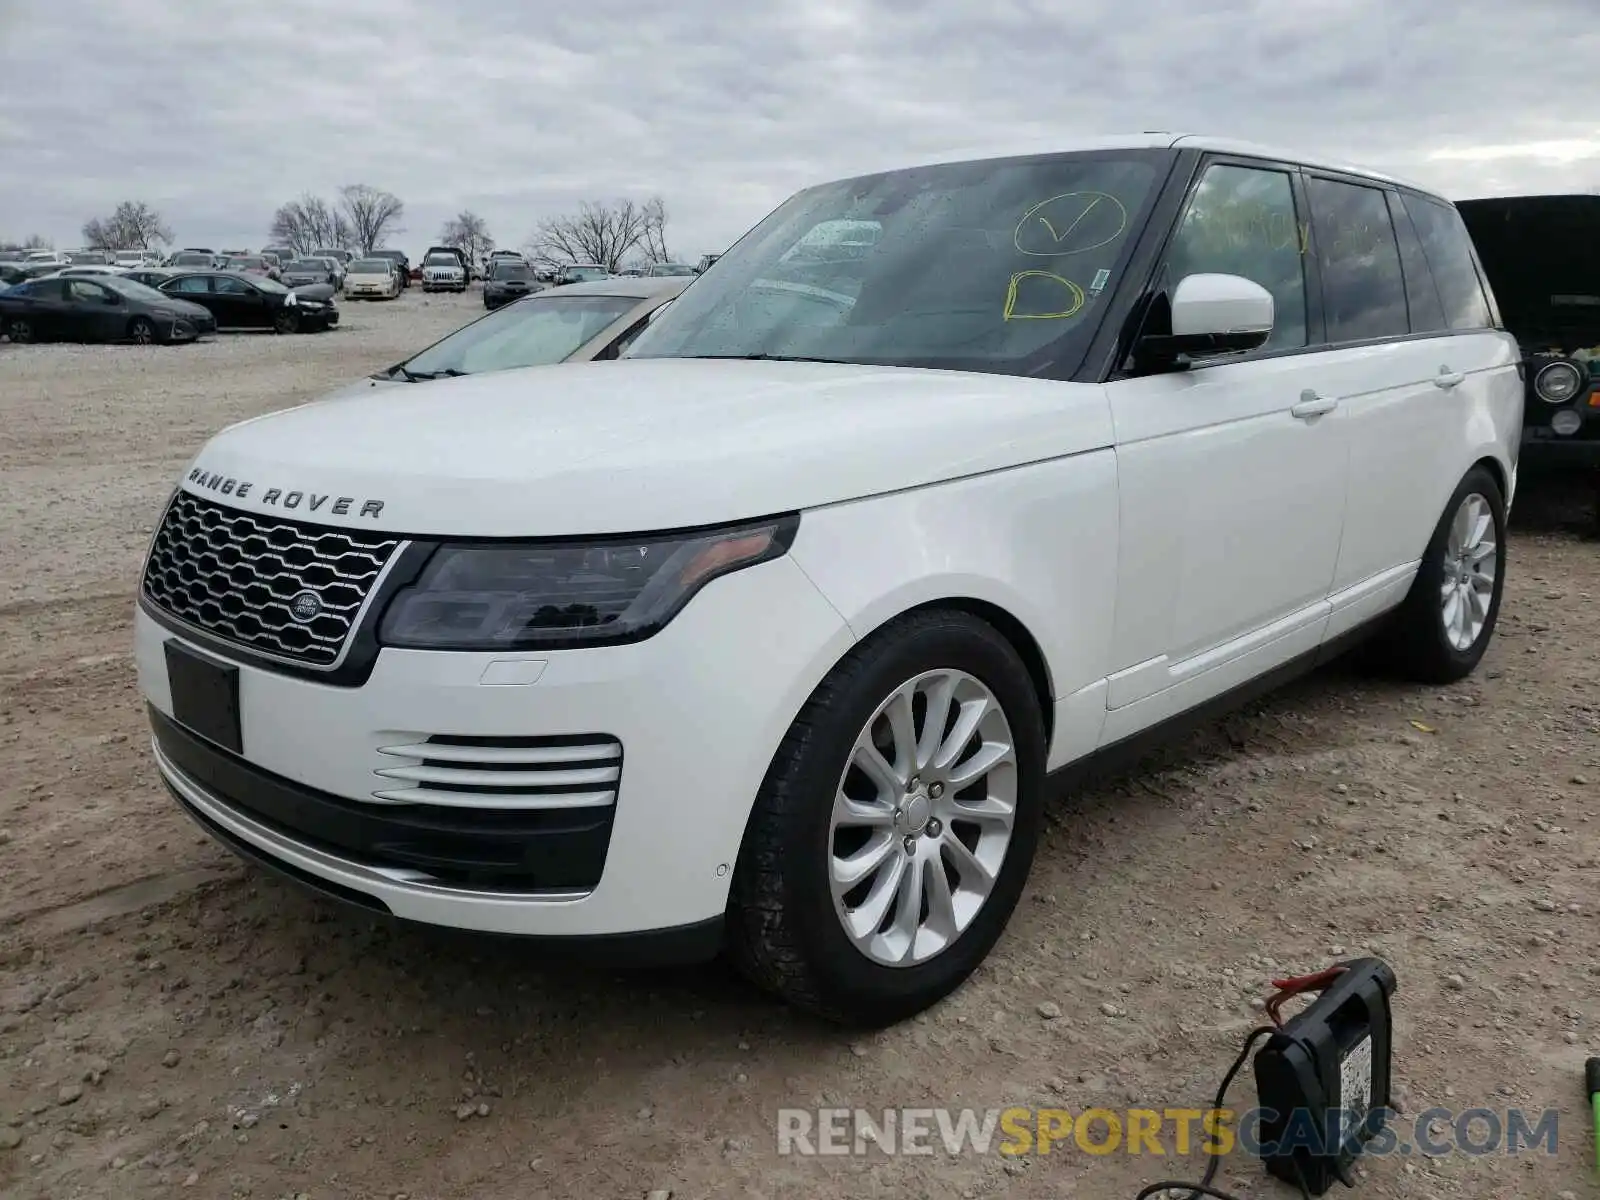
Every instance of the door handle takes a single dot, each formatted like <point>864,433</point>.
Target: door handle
<point>1312,405</point>
<point>1446,378</point>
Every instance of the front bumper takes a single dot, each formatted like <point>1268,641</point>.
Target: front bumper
<point>698,711</point>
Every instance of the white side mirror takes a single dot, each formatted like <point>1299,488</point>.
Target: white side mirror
<point>1221,313</point>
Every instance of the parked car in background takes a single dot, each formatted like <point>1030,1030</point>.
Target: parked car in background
<point>250,264</point>
<point>40,269</point>
<point>372,279</point>
<point>87,270</point>
<point>253,302</point>
<point>107,308</point>
<point>192,258</point>
<point>88,258</point>
<point>1541,256</point>
<point>43,256</point>
<point>303,271</point>
<point>340,256</point>
<point>584,322</point>
<point>670,270</point>
<point>581,273</point>
<point>401,262</point>
<point>444,269</point>
<point>129,258</point>
<point>13,256</point>
<point>508,279</point>
<point>12,272</point>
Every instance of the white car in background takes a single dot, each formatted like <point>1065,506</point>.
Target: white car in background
<point>774,635</point>
<point>444,270</point>
<point>372,279</point>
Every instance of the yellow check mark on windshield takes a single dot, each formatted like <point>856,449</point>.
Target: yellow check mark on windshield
<point>1068,231</point>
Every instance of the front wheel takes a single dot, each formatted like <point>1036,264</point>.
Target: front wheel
<point>895,829</point>
<point>287,321</point>
<point>1443,628</point>
<point>142,331</point>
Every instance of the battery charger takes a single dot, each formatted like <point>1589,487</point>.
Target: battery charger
<point>1322,1078</point>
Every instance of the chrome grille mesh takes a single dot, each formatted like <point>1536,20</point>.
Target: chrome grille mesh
<point>236,575</point>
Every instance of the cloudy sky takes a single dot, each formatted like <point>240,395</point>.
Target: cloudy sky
<point>217,112</point>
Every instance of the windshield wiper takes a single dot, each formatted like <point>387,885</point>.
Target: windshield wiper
<point>446,373</point>
<point>773,358</point>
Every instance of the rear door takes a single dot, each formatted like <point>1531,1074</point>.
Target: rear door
<point>1386,376</point>
<point>1410,374</point>
<point>47,309</point>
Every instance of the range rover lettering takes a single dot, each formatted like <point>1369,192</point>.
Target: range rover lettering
<point>773,635</point>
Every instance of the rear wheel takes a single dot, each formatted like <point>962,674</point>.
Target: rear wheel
<point>896,827</point>
<point>1441,631</point>
<point>20,330</point>
<point>142,331</point>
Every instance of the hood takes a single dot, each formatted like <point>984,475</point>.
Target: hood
<point>1542,257</point>
<point>641,444</point>
<point>313,291</point>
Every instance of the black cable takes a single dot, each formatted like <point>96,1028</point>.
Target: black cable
<point>1204,1188</point>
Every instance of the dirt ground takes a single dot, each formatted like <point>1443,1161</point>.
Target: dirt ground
<point>174,1023</point>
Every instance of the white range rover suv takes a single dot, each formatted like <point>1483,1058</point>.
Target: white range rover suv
<point>773,636</point>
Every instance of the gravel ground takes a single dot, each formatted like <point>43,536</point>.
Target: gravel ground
<point>170,1020</point>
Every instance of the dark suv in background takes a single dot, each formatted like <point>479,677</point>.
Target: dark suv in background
<point>1542,257</point>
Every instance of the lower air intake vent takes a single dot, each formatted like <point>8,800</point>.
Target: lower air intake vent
<point>557,772</point>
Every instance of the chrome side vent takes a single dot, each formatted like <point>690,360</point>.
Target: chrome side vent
<point>529,773</point>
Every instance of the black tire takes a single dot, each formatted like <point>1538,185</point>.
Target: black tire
<point>20,331</point>
<point>1414,644</point>
<point>142,332</point>
<point>286,321</point>
<point>783,931</point>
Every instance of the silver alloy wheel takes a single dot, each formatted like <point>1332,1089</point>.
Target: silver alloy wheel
<point>143,332</point>
<point>922,818</point>
<point>1471,571</point>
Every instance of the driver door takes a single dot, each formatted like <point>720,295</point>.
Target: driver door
<point>1231,482</point>
<point>245,306</point>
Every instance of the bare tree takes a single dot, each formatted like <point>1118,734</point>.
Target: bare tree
<point>603,233</point>
<point>371,213</point>
<point>311,223</point>
<point>469,233</point>
<point>134,225</point>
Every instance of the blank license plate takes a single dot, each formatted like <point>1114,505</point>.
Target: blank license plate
<point>205,696</point>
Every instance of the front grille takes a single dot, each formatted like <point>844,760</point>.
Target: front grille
<point>237,575</point>
<point>553,772</point>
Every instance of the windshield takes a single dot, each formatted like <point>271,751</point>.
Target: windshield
<point>246,261</point>
<point>993,266</point>
<point>509,270</point>
<point>532,332</point>
<point>191,260</point>
<point>307,266</point>
<point>371,266</point>
<point>322,252</point>
<point>586,274</point>
<point>441,260</point>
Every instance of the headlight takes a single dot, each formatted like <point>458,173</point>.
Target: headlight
<point>1558,382</point>
<point>551,595</point>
